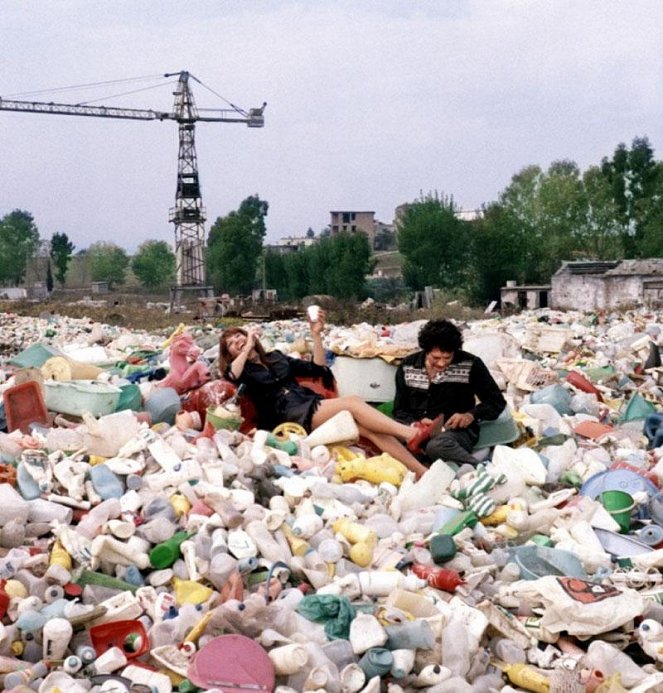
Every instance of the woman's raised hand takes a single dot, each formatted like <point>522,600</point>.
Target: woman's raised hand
<point>317,326</point>
<point>251,337</point>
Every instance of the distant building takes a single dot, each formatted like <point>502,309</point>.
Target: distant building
<point>464,214</point>
<point>291,244</point>
<point>605,285</point>
<point>525,297</point>
<point>353,222</point>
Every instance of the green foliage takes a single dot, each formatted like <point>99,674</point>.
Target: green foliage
<point>385,239</point>
<point>19,238</point>
<point>154,264</point>
<point>336,265</point>
<point>61,251</point>
<point>234,246</point>
<point>108,263</point>
<point>386,289</point>
<point>600,238</point>
<point>497,253</point>
<point>49,278</point>
<point>435,244</point>
<point>634,177</point>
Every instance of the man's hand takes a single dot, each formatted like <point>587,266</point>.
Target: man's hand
<point>459,420</point>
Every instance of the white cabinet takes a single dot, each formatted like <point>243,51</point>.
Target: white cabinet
<point>372,379</point>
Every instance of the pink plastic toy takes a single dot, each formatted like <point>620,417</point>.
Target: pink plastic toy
<point>186,372</point>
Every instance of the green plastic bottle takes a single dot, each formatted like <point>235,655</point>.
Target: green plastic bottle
<point>165,554</point>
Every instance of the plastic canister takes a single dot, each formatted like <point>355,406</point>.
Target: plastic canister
<point>55,638</point>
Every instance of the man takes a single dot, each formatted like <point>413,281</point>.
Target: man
<point>442,379</point>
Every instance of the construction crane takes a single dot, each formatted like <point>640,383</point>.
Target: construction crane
<point>188,214</point>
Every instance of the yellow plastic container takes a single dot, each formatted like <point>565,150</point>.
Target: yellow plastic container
<point>190,592</point>
<point>354,532</point>
<point>180,504</point>
<point>59,556</point>
<point>527,677</point>
<point>298,546</point>
<point>374,469</point>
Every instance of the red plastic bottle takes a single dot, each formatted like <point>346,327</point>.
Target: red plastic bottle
<point>440,578</point>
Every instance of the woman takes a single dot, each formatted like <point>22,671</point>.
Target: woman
<point>271,384</point>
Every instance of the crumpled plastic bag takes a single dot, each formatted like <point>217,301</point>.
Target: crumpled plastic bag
<point>335,613</point>
<point>584,608</point>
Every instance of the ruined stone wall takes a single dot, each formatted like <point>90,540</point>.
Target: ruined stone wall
<point>578,292</point>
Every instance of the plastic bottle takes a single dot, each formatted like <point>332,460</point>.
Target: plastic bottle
<point>92,522</point>
<point>527,677</point>
<point>28,487</point>
<point>55,638</point>
<point>340,652</point>
<point>455,646</point>
<point>440,578</point>
<point>105,483</point>
<point>412,635</point>
<point>610,660</point>
<point>165,554</point>
<point>507,651</point>
<point>267,546</point>
<point>18,678</point>
<point>427,491</point>
<point>403,663</point>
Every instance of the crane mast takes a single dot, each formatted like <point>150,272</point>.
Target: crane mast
<point>188,214</point>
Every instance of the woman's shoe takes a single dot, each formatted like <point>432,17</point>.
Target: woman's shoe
<point>424,432</point>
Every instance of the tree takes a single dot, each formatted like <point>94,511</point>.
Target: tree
<point>61,251</point>
<point>338,265</point>
<point>633,176</point>
<point>385,239</point>
<point>435,244</point>
<point>154,264</point>
<point>600,237</point>
<point>235,245</point>
<point>497,242</point>
<point>108,263</point>
<point>19,238</point>
<point>310,233</point>
<point>49,278</point>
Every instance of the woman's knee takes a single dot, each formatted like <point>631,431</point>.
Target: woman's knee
<point>353,402</point>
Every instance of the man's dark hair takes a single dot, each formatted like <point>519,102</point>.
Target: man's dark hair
<point>440,334</point>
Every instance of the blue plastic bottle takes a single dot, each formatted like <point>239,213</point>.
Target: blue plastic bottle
<point>105,483</point>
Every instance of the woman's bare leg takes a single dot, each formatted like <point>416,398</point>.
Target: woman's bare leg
<point>364,414</point>
<point>391,445</point>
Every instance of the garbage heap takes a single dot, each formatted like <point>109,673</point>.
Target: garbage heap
<point>142,550</point>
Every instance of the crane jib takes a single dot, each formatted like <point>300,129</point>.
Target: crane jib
<point>188,215</point>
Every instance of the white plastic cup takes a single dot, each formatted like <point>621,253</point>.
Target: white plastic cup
<point>313,313</point>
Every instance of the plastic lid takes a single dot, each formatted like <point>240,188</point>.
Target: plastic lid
<point>234,662</point>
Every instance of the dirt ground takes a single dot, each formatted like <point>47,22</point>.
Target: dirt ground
<point>150,312</point>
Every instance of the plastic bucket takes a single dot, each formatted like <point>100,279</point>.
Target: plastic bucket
<point>620,505</point>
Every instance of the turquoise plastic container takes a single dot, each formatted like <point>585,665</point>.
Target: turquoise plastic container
<point>130,398</point>
<point>34,356</point>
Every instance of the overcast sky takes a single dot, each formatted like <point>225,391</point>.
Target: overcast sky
<point>369,103</point>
